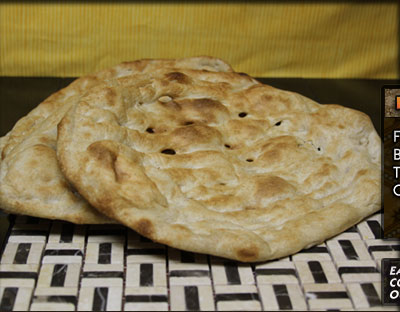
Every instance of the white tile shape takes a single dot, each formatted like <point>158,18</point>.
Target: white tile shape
<point>146,258</point>
<point>306,276</point>
<point>27,239</point>
<point>94,267</point>
<point>19,267</point>
<point>338,254</point>
<point>17,282</point>
<point>56,291</point>
<point>65,246</point>
<point>270,300</point>
<point>326,303</point>
<point>101,282</point>
<point>233,289</point>
<point>52,306</point>
<point>22,299</point>
<point>62,259</point>
<point>34,255</point>
<point>226,272</point>
<point>344,269</point>
<point>177,297</point>
<point>133,274</point>
<point>92,252</point>
<point>146,306</point>
<point>106,239</point>
<point>359,296</point>
<point>187,281</point>
<point>275,272</point>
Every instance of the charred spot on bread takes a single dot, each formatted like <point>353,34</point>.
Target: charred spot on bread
<point>178,77</point>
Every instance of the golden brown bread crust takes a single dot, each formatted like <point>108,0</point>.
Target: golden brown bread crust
<point>30,180</point>
<point>217,163</point>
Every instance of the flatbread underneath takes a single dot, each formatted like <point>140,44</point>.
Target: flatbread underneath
<point>217,163</point>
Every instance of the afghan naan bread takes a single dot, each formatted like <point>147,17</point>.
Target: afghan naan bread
<point>216,163</point>
<point>30,180</point>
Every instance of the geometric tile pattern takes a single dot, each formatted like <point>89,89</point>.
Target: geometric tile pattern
<point>54,265</point>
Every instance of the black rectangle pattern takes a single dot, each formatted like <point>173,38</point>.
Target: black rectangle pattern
<point>146,298</point>
<point>317,272</point>
<point>104,253</point>
<point>348,249</point>
<point>282,297</point>
<point>102,274</point>
<point>330,294</point>
<point>18,275</point>
<point>56,298</point>
<point>187,257</point>
<point>58,277</point>
<point>66,233</point>
<point>371,294</point>
<point>8,299</point>
<point>238,296</point>
<point>146,274</point>
<point>63,252</point>
<point>232,273</point>
<point>100,297</point>
<point>352,270</point>
<point>276,272</point>
<point>192,298</point>
<point>21,256</point>
<point>188,273</point>
<point>375,228</point>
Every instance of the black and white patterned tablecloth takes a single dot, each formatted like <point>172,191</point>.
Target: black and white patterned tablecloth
<point>52,265</point>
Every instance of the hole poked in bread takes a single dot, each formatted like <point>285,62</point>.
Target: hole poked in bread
<point>168,151</point>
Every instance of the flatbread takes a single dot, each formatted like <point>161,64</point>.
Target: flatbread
<point>217,163</point>
<point>30,180</point>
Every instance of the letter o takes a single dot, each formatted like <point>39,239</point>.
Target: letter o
<point>394,190</point>
<point>394,294</point>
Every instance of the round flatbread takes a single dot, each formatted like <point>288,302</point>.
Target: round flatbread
<point>218,163</point>
<point>31,182</point>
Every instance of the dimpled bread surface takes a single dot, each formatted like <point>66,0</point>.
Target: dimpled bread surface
<point>220,164</point>
<point>31,182</point>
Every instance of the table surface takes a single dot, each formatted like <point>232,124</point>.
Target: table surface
<point>56,265</point>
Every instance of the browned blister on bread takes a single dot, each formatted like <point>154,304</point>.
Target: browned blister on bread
<point>217,163</point>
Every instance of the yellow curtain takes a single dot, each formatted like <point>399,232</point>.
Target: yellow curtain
<point>288,39</point>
